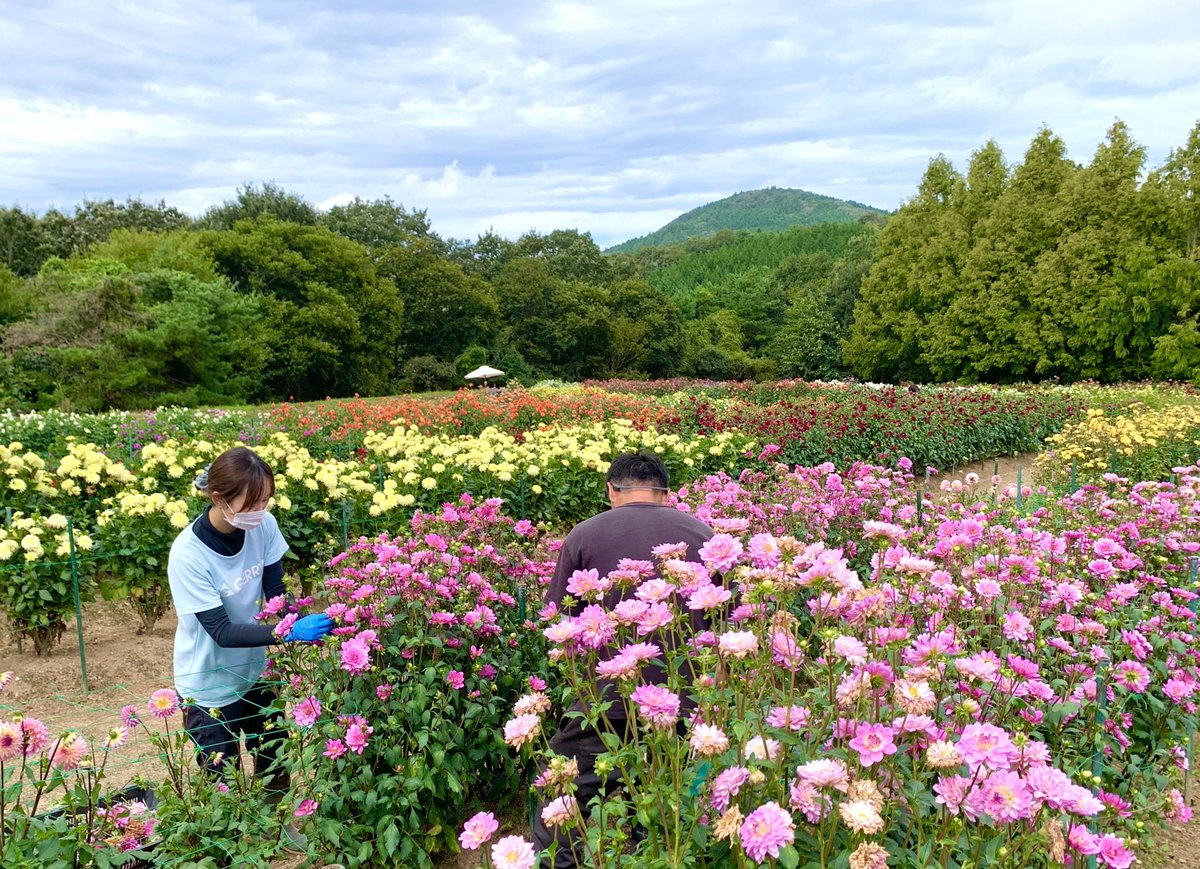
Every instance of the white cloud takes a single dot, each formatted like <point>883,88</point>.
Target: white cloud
<point>608,117</point>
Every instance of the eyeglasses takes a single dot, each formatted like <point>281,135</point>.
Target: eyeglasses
<point>617,488</point>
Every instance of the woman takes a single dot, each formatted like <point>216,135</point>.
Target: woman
<point>222,568</point>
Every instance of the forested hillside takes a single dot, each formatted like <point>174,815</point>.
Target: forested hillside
<point>1046,268</point>
<point>770,210</point>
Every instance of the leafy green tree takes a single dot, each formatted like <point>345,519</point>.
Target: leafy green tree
<point>560,328</point>
<point>844,281</point>
<point>646,330</point>
<point>985,331</point>
<point>484,257</point>
<point>714,344</point>
<point>569,255</point>
<point>27,241</point>
<point>445,308</point>
<point>22,241</point>
<point>380,224</point>
<point>427,374</point>
<point>1080,290</point>
<point>470,359</point>
<point>1174,195</point>
<point>918,257</point>
<point>97,340</point>
<point>809,343</point>
<point>144,251</point>
<point>332,321</point>
<point>16,301</point>
<point>252,202</point>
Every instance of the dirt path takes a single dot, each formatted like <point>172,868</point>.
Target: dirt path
<point>1005,467</point>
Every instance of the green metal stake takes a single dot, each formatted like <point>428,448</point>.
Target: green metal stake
<point>1098,754</point>
<point>996,467</point>
<point>345,524</point>
<point>521,604</point>
<point>78,602</point>
<point>1018,487</point>
<point>921,506</point>
<point>1074,476</point>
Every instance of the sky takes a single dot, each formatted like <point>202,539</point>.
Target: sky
<point>606,117</point>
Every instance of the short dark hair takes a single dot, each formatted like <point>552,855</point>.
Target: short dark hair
<point>239,470</point>
<point>642,467</point>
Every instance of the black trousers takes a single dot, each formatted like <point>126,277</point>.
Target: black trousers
<point>583,744</point>
<point>217,736</point>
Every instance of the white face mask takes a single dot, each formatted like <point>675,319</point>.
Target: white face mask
<point>249,519</point>
<point>252,519</point>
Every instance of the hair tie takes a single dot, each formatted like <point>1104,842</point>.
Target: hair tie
<point>202,480</point>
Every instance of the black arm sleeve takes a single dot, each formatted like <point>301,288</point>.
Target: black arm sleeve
<point>273,580</point>
<point>227,635</point>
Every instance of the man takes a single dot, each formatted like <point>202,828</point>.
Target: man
<point>639,520</point>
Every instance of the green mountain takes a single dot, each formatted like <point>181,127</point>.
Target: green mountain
<point>772,209</point>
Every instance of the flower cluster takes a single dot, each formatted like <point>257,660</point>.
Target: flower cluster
<point>1139,442</point>
<point>901,684</point>
<point>39,769</point>
<point>405,697</point>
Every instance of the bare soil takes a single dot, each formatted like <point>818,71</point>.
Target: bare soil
<point>1005,467</point>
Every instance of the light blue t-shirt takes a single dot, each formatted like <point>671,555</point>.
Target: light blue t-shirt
<point>203,580</point>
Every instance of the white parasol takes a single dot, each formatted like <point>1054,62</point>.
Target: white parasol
<point>483,372</point>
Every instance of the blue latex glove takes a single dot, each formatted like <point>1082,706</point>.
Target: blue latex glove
<point>309,628</point>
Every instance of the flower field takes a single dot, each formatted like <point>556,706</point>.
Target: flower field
<point>891,674</point>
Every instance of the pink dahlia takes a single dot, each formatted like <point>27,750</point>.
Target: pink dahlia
<point>164,703</point>
<point>513,852</point>
<point>334,748</point>
<point>986,744</point>
<point>1003,796</point>
<point>1114,853</point>
<point>873,742</point>
<point>767,829</point>
<point>824,773</point>
<point>307,711</point>
<point>356,655</point>
<point>11,740</point>
<point>357,736</point>
<point>721,552</point>
<point>726,786</point>
<point>657,705</point>
<point>707,740</point>
<point>1132,676</point>
<point>478,830</point>
<point>738,644</point>
<point>559,811</point>
<point>788,717</point>
<point>69,752</point>
<point>522,729</point>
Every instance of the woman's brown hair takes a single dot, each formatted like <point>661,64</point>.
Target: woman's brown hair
<point>239,470</point>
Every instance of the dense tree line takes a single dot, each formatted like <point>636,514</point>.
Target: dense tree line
<point>266,297</point>
<point>1004,273</point>
<point>1043,269</point>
